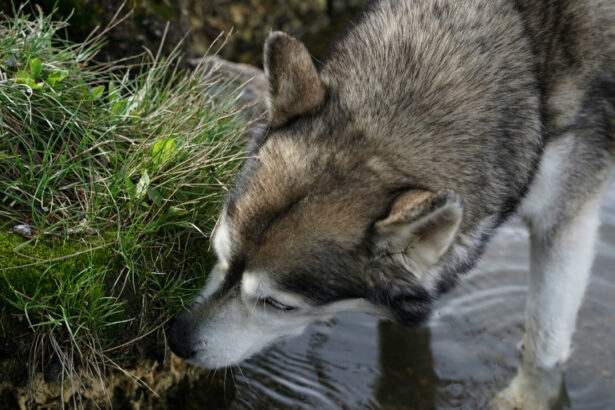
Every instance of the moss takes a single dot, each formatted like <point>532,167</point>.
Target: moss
<point>40,264</point>
<point>37,274</point>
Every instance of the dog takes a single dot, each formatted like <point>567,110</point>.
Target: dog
<point>384,172</point>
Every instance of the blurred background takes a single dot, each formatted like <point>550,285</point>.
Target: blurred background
<point>200,22</point>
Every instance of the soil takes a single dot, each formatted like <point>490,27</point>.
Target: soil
<point>161,385</point>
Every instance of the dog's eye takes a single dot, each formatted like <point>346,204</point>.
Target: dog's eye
<point>278,305</point>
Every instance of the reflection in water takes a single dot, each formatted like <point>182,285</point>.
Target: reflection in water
<point>324,368</point>
<point>464,357</point>
<point>407,377</point>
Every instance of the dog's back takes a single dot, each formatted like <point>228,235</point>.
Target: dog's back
<point>570,37</point>
<point>574,47</point>
<point>445,93</point>
<point>468,93</point>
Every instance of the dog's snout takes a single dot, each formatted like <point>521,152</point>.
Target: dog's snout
<point>180,335</point>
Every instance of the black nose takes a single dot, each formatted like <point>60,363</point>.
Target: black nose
<point>180,336</point>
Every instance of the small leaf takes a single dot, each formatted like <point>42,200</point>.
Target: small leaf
<point>163,149</point>
<point>22,76</point>
<point>96,92</point>
<point>142,185</point>
<point>27,80</point>
<point>36,68</point>
<point>56,77</point>
<point>176,211</point>
<point>155,197</point>
<point>114,93</point>
<point>130,188</point>
<point>118,107</point>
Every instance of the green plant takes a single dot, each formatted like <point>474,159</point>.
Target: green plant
<point>121,172</point>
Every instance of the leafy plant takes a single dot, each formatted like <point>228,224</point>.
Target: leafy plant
<point>121,174</point>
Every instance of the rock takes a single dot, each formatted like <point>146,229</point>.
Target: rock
<point>316,22</point>
<point>24,230</point>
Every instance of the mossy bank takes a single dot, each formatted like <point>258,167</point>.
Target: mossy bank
<point>111,178</point>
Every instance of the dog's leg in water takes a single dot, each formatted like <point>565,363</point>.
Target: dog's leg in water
<point>561,262</point>
<point>560,266</point>
<point>563,232</point>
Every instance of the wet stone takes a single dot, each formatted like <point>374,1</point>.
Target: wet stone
<point>24,230</point>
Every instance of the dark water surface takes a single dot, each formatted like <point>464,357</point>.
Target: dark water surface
<point>463,357</point>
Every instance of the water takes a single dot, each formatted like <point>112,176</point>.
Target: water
<point>466,354</point>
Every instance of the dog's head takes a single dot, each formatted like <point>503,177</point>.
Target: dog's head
<point>317,224</point>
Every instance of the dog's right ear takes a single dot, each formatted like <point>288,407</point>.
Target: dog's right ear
<point>294,85</point>
<point>408,243</point>
<point>419,229</point>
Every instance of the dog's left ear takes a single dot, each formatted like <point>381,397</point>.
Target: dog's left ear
<point>419,229</point>
<point>294,85</point>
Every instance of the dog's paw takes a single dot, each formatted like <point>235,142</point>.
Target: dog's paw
<point>530,389</point>
<point>516,397</point>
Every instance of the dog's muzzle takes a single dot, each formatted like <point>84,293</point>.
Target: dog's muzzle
<point>181,335</point>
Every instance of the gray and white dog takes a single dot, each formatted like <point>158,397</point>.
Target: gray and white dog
<point>385,171</point>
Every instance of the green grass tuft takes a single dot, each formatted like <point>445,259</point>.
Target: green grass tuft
<point>121,171</point>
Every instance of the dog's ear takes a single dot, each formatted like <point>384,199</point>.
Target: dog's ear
<point>294,85</point>
<point>419,229</point>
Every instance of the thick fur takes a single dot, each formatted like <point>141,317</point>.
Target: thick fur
<point>385,171</point>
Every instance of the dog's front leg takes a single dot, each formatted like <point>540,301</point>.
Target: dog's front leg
<point>562,212</point>
<point>561,259</point>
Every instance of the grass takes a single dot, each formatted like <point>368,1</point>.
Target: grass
<point>120,171</point>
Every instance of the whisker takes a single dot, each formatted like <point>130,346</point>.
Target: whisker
<point>224,383</point>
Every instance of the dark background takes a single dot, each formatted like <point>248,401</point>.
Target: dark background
<point>200,22</point>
